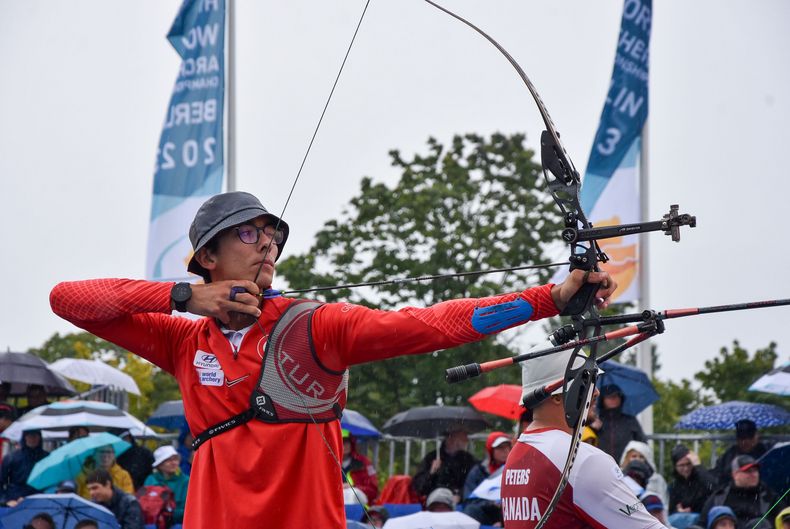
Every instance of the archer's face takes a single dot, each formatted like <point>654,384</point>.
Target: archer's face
<point>235,259</point>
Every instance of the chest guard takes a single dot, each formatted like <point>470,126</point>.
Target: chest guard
<point>294,386</point>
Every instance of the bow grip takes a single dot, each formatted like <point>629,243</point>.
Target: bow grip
<point>581,300</point>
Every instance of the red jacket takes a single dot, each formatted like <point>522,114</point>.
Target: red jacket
<point>258,472</point>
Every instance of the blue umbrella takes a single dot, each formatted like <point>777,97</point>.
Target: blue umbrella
<point>357,424</point>
<point>636,386</point>
<point>724,416</point>
<point>65,509</point>
<point>66,462</point>
<point>775,467</point>
<point>169,415</point>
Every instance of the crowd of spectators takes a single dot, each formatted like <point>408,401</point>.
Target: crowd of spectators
<point>113,482</point>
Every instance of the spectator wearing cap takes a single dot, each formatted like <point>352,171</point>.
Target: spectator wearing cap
<point>721,517</point>
<point>617,428</point>
<point>448,469</point>
<point>747,443</point>
<point>692,483</point>
<point>17,466</point>
<point>498,445</point>
<point>656,507</point>
<point>656,482</point>
<point>167,473</point>
<point>746,495</point>
<point>441,499</point>
<point>137,460</point>
<point>782,520</point>
<point>66,487</point>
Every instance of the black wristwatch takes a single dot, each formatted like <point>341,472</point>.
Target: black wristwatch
<point>180,294</point>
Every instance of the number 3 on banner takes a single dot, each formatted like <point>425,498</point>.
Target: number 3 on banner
<point>609,144</point>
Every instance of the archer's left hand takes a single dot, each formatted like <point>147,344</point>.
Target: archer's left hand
<point>563,292</point>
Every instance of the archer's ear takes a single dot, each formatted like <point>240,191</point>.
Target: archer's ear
<point>206,258</point>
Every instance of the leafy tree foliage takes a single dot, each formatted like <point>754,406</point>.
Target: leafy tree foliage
<point>729,375</point>
<point>471,205</point>
<point>156,386</point>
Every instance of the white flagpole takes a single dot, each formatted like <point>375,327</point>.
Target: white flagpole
<point>644,359</point>
<point>230,98</point>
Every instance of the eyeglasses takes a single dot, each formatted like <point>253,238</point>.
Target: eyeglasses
<point>250,234</point>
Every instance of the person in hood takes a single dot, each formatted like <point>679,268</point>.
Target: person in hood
<point>782,520</point>
<point>656,484</point>
<point>692,483</point>
<point>359,470</point>
<point>487,512</point>
<point>617,427</point>
<point>721,517</point>
<point>137,460</point>
<point>17,465</point>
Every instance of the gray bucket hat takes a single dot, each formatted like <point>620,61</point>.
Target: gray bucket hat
<point>225,211</point>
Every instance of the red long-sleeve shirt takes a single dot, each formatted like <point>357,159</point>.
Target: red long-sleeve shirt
<point>278,475</point>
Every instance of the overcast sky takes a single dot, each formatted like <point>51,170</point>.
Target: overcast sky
<point>84,86</point>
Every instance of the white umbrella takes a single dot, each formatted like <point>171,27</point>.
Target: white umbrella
<point>433,520</point>
<point>62,415</point>
<point>94,372</point>
<point>776,381</point>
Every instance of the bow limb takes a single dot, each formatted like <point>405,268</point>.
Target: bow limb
<point>564,184</point>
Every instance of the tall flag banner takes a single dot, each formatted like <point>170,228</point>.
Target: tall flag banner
<point>189,162</point>
<point>610,189</point>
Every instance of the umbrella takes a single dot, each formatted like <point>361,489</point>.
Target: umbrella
<point>503,400</point>
<point>776,381</point>
<point>431,422</point>
<point>491,487</point>
<point>169,415</point>
<point>63,415</point>
<point>65,509</point>
<point>22,369</point>
<point>94,372</point>
<point>636,386</point>
<point>357,424</point>
<point>775,467</point>
<point>724,416</point>
<point>433,520</point>
<point>66,462</point>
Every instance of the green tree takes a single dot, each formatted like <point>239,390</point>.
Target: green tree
<point>156,386</point>
<point>729,375</point>
<point>470,205</point>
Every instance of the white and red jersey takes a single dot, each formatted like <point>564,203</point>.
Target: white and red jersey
<point>596,496</point>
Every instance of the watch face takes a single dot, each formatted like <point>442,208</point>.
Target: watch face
<point>181,292</point>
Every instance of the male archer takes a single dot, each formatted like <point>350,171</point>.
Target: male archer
<point>596,495</point>
<point>264,377</point>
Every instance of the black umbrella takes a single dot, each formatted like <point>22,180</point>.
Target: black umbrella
<point>431,422</point>
<point>22,369</point>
